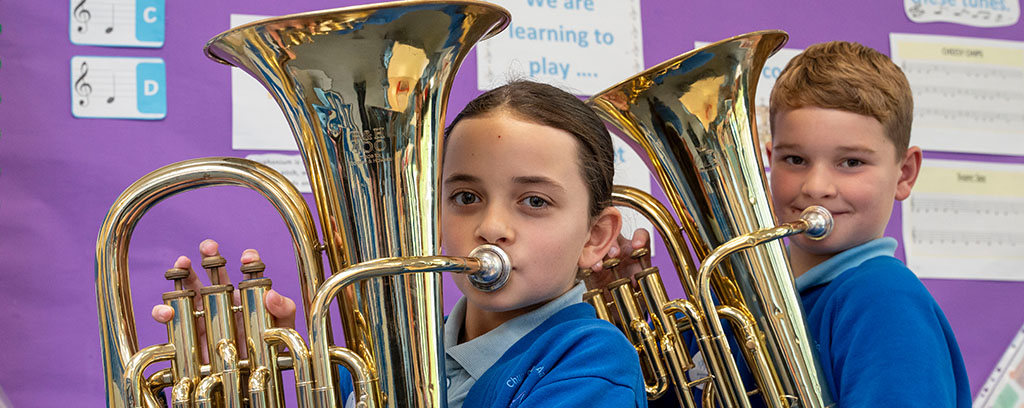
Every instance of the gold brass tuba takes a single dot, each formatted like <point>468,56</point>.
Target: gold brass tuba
<point>692,119</point>
<point>364,90</point>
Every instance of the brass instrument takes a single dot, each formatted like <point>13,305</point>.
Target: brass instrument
<point>365,90</point>
<point>692,118</point>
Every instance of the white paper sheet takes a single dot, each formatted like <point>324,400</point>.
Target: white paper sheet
<point>968,93</point>
<point>963,221</point>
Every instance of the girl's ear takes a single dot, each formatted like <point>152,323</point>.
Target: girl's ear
<point>909,168</point>
<point>603,233</point>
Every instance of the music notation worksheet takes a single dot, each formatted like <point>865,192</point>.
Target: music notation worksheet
<point>963,221</point>
<point>968,93</point>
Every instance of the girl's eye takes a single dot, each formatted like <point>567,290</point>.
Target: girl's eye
<point>852,163</point>
<point>794,160</point>
<point>465,198</point>
<point>535,202</point>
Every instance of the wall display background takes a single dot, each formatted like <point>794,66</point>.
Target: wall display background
<point>59,175</point>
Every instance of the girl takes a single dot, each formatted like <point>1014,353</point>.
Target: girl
<point>527,167</point>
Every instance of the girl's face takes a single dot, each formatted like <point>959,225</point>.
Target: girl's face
<point>518,185</point>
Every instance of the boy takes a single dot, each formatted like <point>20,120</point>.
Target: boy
<point>841,115</point>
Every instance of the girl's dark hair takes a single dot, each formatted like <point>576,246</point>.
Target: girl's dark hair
<point>549,106</point>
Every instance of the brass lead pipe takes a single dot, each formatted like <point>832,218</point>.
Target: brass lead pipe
<point>324,391</point>
<point>816,220</point>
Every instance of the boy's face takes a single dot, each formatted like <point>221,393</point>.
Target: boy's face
<point>517,185</point>
<point>844,162</point>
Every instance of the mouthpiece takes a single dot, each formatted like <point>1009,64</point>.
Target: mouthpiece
<point>819,222</point>
<point>495,267</point>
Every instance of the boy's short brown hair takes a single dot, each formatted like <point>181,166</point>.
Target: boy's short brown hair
<point>850,77</point>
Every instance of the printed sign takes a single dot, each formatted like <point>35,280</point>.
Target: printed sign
<point>584,46</point>
<point>118,23</point>
<point>113,87</point>
<point>977,13</point>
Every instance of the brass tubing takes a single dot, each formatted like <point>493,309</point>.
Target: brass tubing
<point>364,380</point>
<point>257,320</point>
<point>595,297</point>
<point>728,381</point>
<point>676,354</point>
<point>181,331</point>
<point>134,385</point>
<point>204,392</point>
<point>746,335</point>
<point>670,232</point>
<point>300,363</point>
<point>641,336</point>
<point>113,294</point>
<point>258,393</point>
<point>230,376</point>
<point>696,320</point>
<point>181,393</point>
<point>324,392</point>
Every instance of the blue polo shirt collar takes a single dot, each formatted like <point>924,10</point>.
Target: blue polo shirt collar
<point>826,271</point>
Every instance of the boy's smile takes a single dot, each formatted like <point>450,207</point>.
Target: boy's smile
<point>844,162</point>
<point>517,185</point>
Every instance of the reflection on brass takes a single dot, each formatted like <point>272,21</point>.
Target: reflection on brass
<point>364,90</point>
<point>692,120</point>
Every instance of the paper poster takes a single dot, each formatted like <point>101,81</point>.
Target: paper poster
<point>968,93</point>
<point>976,13</point>
<point>117,23</point>
<point>257,123</point>
<point>584,46</point>
<point>1004,388</point>
<point>118,88</point>
<point>963,221</point>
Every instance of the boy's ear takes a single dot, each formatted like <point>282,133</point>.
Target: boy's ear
<point>768,151</point>
<point>909,167</point>
<point>603,233</point>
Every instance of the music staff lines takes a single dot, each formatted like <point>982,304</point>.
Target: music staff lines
<point>103,82</point>
<point>107,14</point>
<point>968,72</point>
<point>966,239</point>
<point>966,207</point>
<point>948,91</point>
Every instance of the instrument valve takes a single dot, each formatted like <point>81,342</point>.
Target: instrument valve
<point>176,275</point>
<point>211,264</point>
<point>253,270</point>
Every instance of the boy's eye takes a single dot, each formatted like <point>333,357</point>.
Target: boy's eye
<point>535,202</point>
<point>852,163</point>
<point>465,198</point>
<point>794,160</point>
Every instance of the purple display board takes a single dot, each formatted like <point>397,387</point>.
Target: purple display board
<point>59,175</point>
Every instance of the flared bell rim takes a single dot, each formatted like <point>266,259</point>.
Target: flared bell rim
<point>779,36</point>
<point>302,19</point>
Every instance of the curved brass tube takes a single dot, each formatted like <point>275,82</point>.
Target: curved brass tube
<point>324,388</point>
<point>117,327</point>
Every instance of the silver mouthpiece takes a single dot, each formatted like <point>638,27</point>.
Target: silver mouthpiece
<point>495,267</point>
<point>819,222</point>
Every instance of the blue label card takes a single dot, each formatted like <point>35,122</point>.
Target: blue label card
<point>118,88</point>
<point>117,23</point>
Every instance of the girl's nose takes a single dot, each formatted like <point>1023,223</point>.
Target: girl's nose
<point>495,226</point>
<point>819,183</point>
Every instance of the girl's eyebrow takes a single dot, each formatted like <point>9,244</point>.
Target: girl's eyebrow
<point>538,180</point>
<point>461,178</point>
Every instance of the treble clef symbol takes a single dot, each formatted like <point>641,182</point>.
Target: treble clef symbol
<point>82,15</point>
<point>82,88</point>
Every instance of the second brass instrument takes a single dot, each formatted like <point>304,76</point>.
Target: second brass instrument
<point>692,120</point>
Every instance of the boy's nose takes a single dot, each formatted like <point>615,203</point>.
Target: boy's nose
<point>819,183</point>
<point>494,227</point>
